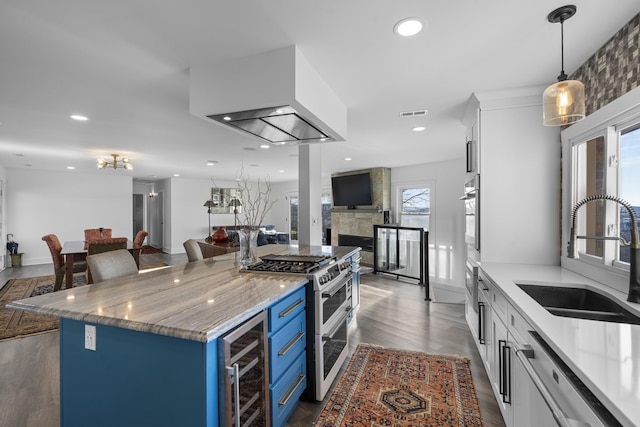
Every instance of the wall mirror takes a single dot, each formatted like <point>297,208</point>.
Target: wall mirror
<point>225,200</point>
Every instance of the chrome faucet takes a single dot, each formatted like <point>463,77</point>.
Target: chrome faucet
<point>634,262</point>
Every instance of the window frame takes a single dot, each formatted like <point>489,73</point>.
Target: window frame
<point>429,184</point>
<point>609,121</point>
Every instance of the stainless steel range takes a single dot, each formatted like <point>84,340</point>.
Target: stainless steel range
<point>329,306</point>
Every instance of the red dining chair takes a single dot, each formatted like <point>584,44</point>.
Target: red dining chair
<point>59,267</point>
<point>97,234</point>
<point>139,239</point>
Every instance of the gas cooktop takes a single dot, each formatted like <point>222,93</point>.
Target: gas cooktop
<point>301,264</point>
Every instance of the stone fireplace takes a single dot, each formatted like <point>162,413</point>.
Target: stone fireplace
<point>357,224</point>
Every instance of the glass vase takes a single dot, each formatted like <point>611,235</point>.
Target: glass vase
<point>248,253</point>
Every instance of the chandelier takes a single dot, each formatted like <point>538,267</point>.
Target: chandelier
<point>124,163</point>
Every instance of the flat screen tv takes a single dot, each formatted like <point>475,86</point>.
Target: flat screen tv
<point>352,190</point>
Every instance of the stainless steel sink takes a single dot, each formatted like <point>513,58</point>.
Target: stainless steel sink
<point>579,303</point>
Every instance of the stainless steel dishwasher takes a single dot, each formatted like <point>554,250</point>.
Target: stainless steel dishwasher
<point>556,395</point>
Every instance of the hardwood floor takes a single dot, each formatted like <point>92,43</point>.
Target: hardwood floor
<point>392,314</point>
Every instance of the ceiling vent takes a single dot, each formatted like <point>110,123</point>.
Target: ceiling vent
<point>415,113</point>
<point>276,96</point>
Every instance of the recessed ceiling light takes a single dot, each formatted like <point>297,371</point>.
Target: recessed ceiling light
<point>226,118</point>
<point>79,117</point>
<point>418,129</point>
<point>265,146</point>
<point>408,27</point>
<point>281,171</point>
<point>71,167</point>
<point>348,159</point>
<point>211,162</point>
<point>176,174</point>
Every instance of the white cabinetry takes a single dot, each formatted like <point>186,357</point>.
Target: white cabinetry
<point>518,399</point>
<point>519,167</point>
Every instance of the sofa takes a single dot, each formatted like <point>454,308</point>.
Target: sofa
<point>266,235</point>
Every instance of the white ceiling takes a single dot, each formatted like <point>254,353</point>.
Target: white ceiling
<point>125,65</point>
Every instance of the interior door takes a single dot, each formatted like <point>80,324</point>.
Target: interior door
<point>156,220</point>
<point>138,213</point>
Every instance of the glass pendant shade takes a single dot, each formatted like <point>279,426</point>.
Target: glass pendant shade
<point>563,103</point>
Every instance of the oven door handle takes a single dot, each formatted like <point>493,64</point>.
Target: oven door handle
<point>329,336</point>
<point>337,287</point>
<point>526,352</point>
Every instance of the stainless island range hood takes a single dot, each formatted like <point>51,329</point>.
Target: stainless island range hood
<point>276,96</point>
<point>277,125</point>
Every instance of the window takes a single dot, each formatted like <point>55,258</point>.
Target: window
<point>605,160</point>
<point>629,177</point>
<point>415,206</point>
<point>293,215</point>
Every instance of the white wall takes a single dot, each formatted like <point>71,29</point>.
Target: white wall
<point>64,203</point>
<point>446,237</point>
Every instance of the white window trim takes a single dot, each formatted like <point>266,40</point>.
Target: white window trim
<point>431,185</point>
<point>606,121</point>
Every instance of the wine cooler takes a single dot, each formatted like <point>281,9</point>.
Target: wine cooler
<point>245,382</point>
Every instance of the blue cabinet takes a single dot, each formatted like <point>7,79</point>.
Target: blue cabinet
<point>287,355</point>
<point>139,378</point>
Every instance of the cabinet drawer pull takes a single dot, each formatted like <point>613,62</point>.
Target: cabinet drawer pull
<point>284,350</point>
<point>291,390</point>
<point>481,308</point>
<point>287,311</point>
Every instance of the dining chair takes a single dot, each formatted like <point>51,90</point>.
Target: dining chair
<point>139,239</point>
<point>194,253</point>
<point>95,234</point>
<point>59,266</point>
<point>111,265</point>
<point>101,246</point>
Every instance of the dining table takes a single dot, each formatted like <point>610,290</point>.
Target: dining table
<point>77,250</point>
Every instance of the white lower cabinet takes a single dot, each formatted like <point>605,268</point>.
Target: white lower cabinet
<point>500,365</point>
<point>498,334</point>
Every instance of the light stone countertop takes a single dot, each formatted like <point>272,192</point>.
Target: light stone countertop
<point>604,355</point>
<point>196,301</point>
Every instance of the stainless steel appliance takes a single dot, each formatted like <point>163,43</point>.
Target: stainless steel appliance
<point>555,394</point>
<point>471,198</point>
<point>246,363</point>
<point>329,297</point>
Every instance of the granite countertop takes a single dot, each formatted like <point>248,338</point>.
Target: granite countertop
<point>197,301</point>
<point>604,355</point>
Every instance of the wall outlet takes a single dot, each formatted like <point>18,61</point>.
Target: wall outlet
<point>90,337</point>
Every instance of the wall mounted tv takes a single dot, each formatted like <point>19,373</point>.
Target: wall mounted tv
<point>352,190</point>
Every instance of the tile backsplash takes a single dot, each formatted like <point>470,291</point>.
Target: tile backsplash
<point>612,70</point>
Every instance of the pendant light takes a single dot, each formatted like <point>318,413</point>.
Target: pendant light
<point>563,102</point>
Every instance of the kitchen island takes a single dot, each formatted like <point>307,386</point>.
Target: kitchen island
<point>156,357</point>
<point>604,356</point>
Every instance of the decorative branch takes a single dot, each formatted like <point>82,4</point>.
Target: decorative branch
<point>255,199</point>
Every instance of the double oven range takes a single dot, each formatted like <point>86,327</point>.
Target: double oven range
<point>329,305</point>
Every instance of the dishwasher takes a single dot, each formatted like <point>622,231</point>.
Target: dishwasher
<point>557,395</point>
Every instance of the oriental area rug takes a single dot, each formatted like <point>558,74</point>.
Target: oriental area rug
<point>389,387</point>
<point>19,323</point>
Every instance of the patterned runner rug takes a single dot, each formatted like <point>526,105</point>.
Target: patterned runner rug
<point>388,387</point>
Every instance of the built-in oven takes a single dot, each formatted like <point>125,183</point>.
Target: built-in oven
<point>331,302</point>
<point>471,198</point>
<point>331,350</point>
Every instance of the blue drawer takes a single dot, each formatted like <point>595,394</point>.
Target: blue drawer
<point>286,309</point>
<point>286,345</point>
<point>287,391</point>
